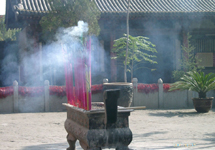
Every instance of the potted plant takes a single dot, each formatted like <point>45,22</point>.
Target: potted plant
<point>200,83</point>
<point>140,50</point>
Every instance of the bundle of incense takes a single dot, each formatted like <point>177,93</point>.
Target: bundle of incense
<point>88,75</point>
<point>77,84</point>
<point>70,84</point>
<point>80,95</point>
<point>68,77</point>
<point>83,84</point>
<point>80,83</point>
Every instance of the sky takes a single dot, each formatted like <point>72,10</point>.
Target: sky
<point>2,7</point>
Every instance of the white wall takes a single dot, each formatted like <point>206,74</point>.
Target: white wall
<point>49,103</point>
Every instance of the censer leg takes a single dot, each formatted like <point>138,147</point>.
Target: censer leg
<point>123,148</point>
<point>95,149</point>
<point>71,140</point>
<point>85,147</point>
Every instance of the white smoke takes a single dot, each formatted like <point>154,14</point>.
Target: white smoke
<point>71,34</point>
<point>53,58</point>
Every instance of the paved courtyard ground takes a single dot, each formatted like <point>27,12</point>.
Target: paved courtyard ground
<point>152,129</point>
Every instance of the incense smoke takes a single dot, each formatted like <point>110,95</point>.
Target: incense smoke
<point>9,64</point>
<point>51,56</point>
<point>71,41</point>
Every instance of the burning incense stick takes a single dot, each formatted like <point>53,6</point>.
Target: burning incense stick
<point>76,83</point>
<point>79,83</point>
<point>88,75</point>
<point>70,83</point>
<point>68,77</point>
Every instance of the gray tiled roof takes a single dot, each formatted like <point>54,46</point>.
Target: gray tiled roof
<point>40,7</point>
<point>30,7</point>
<point>156,6</point>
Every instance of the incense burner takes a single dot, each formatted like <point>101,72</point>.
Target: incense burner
<point>105,126</point>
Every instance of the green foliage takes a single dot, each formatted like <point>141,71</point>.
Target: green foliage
<point>7,34</point>
<point>189,61</point>
<point>177,74</point>
<point>67,14</point>
<point>195,81</point>
<point>139,49</point>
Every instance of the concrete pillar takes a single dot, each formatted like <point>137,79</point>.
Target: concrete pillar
<point>135,84</point>
<point>177,54</point>
<point>189,99</point>
<point>46,92</point>
<point>40,57</point>
<point>102,56</point>
<point>105,80</point>
<point>54,76</point>
<point>160,94</point>
<point>15,97</point>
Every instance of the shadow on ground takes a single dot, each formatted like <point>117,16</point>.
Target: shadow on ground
<point>180,113</point>
<point>145,135</point>
<point>211,139</point>
<point>53,146</point>
<point>141,141</point>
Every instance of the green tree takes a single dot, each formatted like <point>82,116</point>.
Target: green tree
<point>68,13</point>
<point>140,50</point>
<point>5,34</point>
<point>189,61</point>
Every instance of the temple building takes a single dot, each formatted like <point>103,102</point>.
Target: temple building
<point>165,22</point>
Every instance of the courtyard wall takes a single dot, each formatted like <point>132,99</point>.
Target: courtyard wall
<point>17,99</point>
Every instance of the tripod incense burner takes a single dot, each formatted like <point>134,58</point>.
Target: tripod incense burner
<point>106,125</point>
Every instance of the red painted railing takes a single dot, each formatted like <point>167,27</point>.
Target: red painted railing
<point>6,91</point>
<point>147,88</point>
<point>57,90</point>
<point>30,91</point>
<point>61,90</point>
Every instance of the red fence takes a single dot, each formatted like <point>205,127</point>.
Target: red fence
<point>61,90</point>
<point>6,91</point>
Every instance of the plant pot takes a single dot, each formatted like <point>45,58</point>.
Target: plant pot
<point>202,105</point>
<point>126,92</point>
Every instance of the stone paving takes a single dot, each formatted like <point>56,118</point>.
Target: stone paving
<point>152,129</point>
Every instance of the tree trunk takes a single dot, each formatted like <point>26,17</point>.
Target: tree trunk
<point>127,24</point>
<point>132,64</point>
<point>132,70</point>
<point>202,94</point>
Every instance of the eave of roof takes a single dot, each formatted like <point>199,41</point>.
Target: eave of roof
<point>115,8</point>
<point>156,6</point>
<point>41,7</point>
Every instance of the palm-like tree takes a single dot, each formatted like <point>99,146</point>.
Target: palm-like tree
<point>195,81</point>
